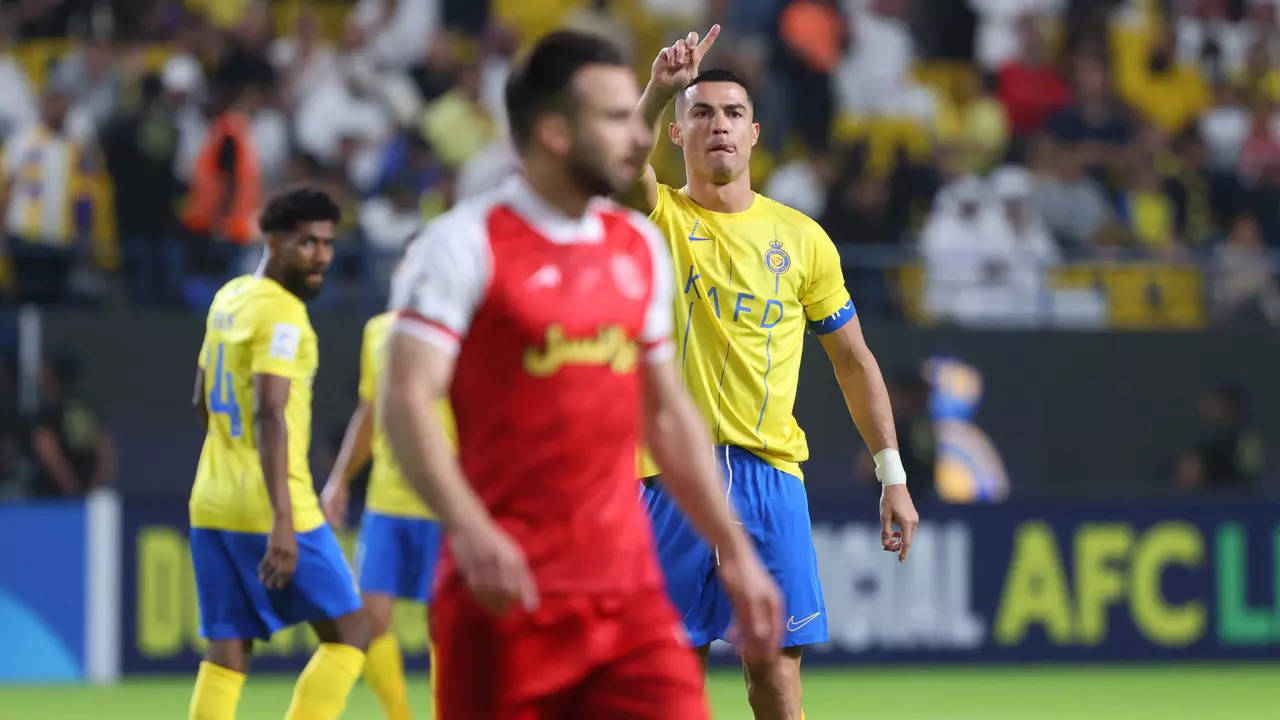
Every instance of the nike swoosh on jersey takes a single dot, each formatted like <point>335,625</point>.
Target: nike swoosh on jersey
<point>793,626</point>
<point>692,233</point>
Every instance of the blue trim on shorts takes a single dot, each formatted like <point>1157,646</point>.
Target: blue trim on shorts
<point>234,604</point>
<point>397,555</point>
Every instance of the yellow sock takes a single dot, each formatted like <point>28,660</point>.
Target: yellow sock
<point>431,658</point>
<point>384,671</point>
<point>323,686</point>
<point>216,694</point>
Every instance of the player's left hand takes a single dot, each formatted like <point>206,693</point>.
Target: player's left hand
<point>677,65</point>
<point>896,508</point>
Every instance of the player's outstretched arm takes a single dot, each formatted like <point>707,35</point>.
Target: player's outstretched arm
<point>270,395</point>
<point>357,447</point>
<point>674,68</point>
<point>491,563</point>
<point>679,443</point>
<point>864,392</point>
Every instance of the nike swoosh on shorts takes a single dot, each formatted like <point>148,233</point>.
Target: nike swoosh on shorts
<point>793,626</point>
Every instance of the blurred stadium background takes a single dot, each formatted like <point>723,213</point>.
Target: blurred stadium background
<point>1060,220</point>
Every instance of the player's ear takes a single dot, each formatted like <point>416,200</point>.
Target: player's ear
<point>755,133</point>
<point>552,130</point>
<point>673,132</point>
<point>272,241</point>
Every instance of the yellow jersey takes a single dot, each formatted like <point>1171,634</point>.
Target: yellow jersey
<point>255,326</point>
<point>748,284</point>
<point>389,493</point>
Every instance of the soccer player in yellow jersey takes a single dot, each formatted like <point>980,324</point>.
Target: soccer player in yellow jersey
<point>752,275</point>
<point>263,556</point>
<point>399,536</point>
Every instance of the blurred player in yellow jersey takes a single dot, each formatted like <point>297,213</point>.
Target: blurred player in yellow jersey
<point>264,558</point>
<point>752,275</point>
<point>399,536</point>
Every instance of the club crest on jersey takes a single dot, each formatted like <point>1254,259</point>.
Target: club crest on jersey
<point>776,260</point>
<point>610,347</point>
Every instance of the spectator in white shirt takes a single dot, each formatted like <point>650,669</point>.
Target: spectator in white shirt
<point>88,74</point>
<point>397,32</point>
<point>1244,285</point>
<point>17,103</point>
<point>952,246</point>
<point>184,86</point>
<point>874,77</point>
<point>347,111</point>
<point>997,39</point>
<point>1020,283</point>
<point>304,60</point>
<point>800,184</point>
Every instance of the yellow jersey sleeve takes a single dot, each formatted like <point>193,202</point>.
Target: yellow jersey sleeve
<point>663,207</point>
<point>823,292</point>
<point>368,389</point>
<point>275,341</point>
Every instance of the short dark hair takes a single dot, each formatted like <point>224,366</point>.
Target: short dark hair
<point>541,81</point>
<point>719,75</point>
<point>298,205</point>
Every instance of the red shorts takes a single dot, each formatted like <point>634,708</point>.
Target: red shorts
<point>621,657</point>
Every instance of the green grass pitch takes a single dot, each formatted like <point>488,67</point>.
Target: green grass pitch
<point>1098,692</point>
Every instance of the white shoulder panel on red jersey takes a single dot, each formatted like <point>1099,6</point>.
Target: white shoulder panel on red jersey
<point>444,275</point>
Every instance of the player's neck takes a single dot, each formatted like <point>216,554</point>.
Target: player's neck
<point>732,197</point>
<point>271,271</point>
<point>557,188</point>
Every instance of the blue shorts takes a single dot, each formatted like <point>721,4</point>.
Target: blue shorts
<point>397,555</point>
<point>774,509</point>
<point>234,604</point>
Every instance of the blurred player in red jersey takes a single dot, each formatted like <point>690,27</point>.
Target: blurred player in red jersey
<point>544,311</point>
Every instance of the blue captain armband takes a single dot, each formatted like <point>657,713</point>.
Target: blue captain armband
<point>834,321</point>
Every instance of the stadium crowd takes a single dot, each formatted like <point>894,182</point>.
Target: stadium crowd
<point>991,143</point>
<point>997,137</point>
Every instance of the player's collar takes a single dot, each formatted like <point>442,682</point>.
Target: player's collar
<point>549,221</point>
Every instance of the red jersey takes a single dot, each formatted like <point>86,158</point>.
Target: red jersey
<point>1031,94</point>
<point>549,317</point>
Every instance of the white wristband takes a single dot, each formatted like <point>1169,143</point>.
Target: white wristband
<point>889,470</point>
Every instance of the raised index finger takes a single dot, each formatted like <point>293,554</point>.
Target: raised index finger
<point>709,40</point>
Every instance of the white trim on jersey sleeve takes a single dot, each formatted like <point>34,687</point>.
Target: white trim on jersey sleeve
<point>443,278</point>
<point>411,324</point>
<point>658,322</point>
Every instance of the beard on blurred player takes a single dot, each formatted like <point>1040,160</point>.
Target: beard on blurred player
<point>582,142</point>
<point>543,310</point>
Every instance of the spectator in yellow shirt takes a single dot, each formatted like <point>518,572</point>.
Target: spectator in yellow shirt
<point>972,124</point>
<point>1168,93</point>
<point>1151,214</point>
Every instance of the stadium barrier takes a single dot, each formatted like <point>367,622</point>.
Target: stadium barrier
<point>1067,414</point>
<point>996,583</point>
<point>60,590</point>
